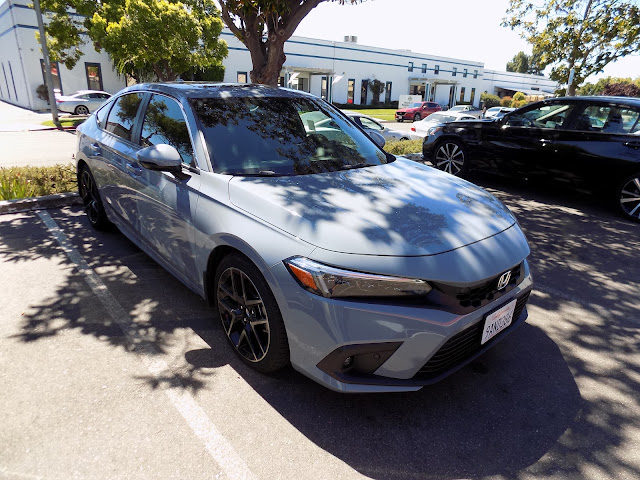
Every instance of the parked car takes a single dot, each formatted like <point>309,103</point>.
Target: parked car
<point>468,109</point>
<point>82,102</point>
<point>421,128</point>
<point>417,111</point>
<point>367,272</point>
<point>373,125</point>
<point>498,112</point>
<point>585,142</point>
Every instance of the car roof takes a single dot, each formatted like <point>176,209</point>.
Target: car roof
<point>187,90</point>
<point>631,101</point>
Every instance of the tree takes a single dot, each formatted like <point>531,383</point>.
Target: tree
<point>488,100</point>
<point>584,35</point>
<point>602,84</point>
<point>264,26</point>
<point>622,90</point>
<point>143,37</point>
<point>519,63</point>
<point>376,87</point>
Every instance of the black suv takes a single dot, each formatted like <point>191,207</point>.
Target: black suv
<point>586,142</point>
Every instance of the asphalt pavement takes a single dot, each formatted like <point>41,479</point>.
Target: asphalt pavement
<point>113,369</point>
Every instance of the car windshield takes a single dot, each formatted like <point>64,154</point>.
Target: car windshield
<point>439,118</point>
<point>268,136</point>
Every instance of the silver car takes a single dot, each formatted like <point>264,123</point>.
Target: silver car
<point>467,109</point>
<point>82,102</point>
<point>364,271</point>
<point>421,129</point>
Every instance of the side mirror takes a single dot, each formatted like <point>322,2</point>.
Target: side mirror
<point>163,158</point>
<point>377,138</point>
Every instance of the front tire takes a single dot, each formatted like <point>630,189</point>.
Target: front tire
<point>628,196</point>
<point>92,201</point>
<point>451,156</point>
<point>417,117</point>
<point>249,315</point>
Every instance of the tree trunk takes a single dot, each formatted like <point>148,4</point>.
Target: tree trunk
<point>267,72</point>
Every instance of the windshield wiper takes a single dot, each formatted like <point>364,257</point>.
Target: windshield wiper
<point>351,166</point>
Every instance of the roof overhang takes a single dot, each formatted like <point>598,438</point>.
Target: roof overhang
<point>528,92</point>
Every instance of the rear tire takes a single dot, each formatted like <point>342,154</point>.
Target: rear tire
<point>451,156</point>
<point>628,197</point>
<point>81,110</point>
<point>92,201</point>
<point>249,314</point>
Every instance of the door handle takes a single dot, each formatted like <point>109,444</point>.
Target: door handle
<point>634,145</point>
<point>95,149</point>
<point>134,168</point>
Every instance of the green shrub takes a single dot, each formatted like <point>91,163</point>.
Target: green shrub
<point>24,182</point>
<point>488,100</point>
<point>403,147</point>
<point>506,101</point>
<point>519,97</point>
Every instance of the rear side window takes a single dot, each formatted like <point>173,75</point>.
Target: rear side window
<point>123,114</point>
<point>164,122</point>
<point>608,119</point>
<point>101,115</point>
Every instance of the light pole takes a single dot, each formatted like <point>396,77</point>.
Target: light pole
<point>47,65</point>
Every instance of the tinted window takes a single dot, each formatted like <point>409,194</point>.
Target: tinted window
<point>367,123</point>
<point>608,119</point>
<point>546,116</point>
<point>281,136</point>
<point>123,114</point>
<point>164,122</point>
<point>101,115</point>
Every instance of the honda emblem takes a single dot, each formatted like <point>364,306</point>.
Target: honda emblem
<point>504,280</point>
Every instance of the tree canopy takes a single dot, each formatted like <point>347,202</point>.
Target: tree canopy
<point>264,26</point>
<point>523,63</point>
<point>161,37</point>
<point>585,35</point>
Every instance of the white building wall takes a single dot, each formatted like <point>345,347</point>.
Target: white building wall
<point>496,80</point>
<point>21,54</point>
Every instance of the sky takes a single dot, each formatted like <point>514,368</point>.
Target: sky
<point>463,29</point>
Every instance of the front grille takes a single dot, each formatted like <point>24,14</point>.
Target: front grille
<point>461,346</point>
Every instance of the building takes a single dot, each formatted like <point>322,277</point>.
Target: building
<point>22,64</point>
<point>340,72</point>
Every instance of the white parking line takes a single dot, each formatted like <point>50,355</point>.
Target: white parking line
<point>232,465</point>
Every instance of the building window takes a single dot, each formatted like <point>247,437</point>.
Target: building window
<point>55,73</point>
<point>461,94</point>
<point>473,96</point>
<point>475,74</point>
<point>411,66</point>
<point>454,71</point>
<point>424,68</point>
<point>436,69</point>
<point>350,89</point>
<point>323,88</point>
<point>464,75</point>
<point>363,92</point>
<point>94,76</point>
<point>281,81</point>
<point>242,77</point>
<point>387,94</point>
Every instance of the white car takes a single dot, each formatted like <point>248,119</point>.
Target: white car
<point>466,109</point>
<point>497,112</point>
<point>83,102</point>
<point>371,124</point>
<point>420,129</point>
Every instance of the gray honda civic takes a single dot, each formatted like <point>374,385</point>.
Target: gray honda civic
<point>365,271</point>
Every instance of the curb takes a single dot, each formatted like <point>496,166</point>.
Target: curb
<point>40,203</point>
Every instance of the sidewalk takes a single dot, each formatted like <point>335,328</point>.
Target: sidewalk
<point>18,119</point>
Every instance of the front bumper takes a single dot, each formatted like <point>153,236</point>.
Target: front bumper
<point>392,348</point>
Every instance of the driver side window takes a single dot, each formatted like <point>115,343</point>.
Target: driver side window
<point>545,116</point>
<point>366,123</point>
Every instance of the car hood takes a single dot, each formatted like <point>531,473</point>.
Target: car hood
<point>405,110</point>
<point>402,208</point>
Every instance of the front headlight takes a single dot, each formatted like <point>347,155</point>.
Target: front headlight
<point>336,282</point>
<point>433,130</point>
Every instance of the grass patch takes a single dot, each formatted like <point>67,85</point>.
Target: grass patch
<point>403,147</point>
<point>65,122</point>
<point>25,182</point>
<point>381,113</point>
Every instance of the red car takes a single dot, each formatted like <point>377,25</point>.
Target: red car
<point>417,111</point>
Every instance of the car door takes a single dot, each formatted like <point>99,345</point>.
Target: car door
<point>523,143</point>
<point>601,145</point>
<point>118,150</point>
<point>166,202</point>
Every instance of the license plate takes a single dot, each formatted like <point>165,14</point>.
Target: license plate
<point>498,321</point>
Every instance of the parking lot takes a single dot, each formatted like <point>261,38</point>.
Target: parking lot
<point>113,369</point>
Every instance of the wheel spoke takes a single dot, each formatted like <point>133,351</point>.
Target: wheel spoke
<point>637,182</point>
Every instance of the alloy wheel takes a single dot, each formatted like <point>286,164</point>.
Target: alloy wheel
<point>89,194</point>
<point>630,198</point>
<point>82,110</point>
<point>243,314</point>
<point>450,158</point>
